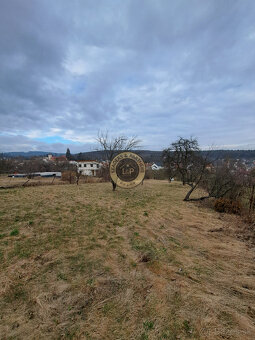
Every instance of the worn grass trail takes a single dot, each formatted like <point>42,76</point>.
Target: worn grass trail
<point>86,263</point>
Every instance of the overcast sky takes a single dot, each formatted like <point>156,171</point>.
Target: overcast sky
<point>157,69</point>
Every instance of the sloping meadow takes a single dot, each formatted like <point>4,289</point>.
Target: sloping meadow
<point>86,262</point>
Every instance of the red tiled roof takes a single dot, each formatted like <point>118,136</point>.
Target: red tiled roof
<point>58,157</point>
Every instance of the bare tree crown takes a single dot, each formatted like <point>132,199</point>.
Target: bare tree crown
<point>112,145</point>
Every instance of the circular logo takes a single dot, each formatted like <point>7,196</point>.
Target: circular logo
<point>127,169</point>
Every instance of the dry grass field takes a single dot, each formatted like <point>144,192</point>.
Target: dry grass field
<point>6,182</point>
<point>83,262</point>
<point>9,182</point>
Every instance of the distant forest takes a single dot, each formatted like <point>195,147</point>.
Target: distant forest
<point>147,155</point>
<point>155,156</point>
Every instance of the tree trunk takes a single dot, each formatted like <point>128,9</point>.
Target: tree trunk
<point>251,199</point>
<point>193,187</point>
<point>113,185</point>
<point>78,175</point>
<point>189,193</point>
<point>198,199</point>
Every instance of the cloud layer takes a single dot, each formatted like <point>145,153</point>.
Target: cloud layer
<point>156,69</point>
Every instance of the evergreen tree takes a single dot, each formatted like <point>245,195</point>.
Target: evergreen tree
<point>68,154</point>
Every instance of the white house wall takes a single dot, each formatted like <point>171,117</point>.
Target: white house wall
<point>90,169</point>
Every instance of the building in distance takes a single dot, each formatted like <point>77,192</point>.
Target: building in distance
<point>87,168</point>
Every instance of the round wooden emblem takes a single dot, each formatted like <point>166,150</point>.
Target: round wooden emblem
<point>127,170</point>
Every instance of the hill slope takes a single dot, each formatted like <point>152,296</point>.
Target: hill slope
<point>86,262</point>
<point>148,155</point>
<point>28,154</point>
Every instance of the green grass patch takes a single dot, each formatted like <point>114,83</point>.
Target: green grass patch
<point>14,232</point>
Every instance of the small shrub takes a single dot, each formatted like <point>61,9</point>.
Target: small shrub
<point>148,325</point>
<point>228,206</point>
<point>14,232</point>
<point>68,176</point>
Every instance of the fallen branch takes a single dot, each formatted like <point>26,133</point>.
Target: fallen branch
<point>25,182</point>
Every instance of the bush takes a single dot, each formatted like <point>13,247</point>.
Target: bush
<point>14,232</point>
<point>91,179</point>
<point>156,174</point>
<point>227,205</point>
<point>69,176</point>
<point>104,173</point>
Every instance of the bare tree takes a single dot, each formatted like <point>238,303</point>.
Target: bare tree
<point>7,166</point>
<point>183,158</point>
<point>113,145</point>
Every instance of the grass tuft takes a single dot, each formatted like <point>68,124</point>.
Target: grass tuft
<point>14,232</point>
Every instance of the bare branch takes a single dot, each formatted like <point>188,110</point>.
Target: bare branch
<point>113,145</point>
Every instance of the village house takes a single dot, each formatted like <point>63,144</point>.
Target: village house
<point>88,168</point>
<point>51,158</point>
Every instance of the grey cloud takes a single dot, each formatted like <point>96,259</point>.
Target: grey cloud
<point>157,69</point>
